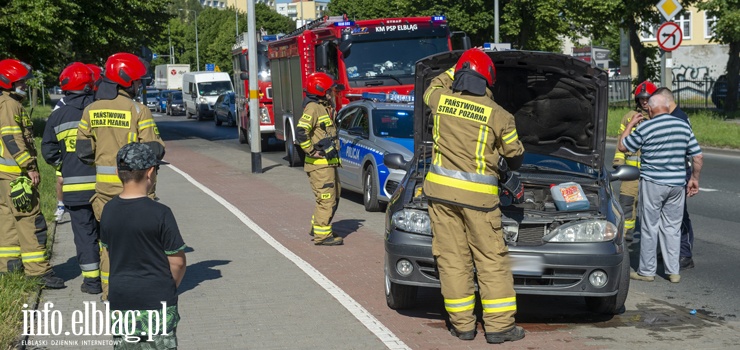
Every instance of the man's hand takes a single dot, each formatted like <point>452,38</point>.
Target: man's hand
<point>636,119</point>
<point>693,187</point>
<point>35,177</point>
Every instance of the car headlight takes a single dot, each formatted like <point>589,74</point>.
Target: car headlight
<point>264,116</point>
<point>202,100</point>
<point>411,220</point>
<point>583,231</point>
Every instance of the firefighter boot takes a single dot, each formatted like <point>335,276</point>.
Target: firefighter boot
<point>331,240</point>
<point>91,286</point>
<point>469,335</point>
<point>513,334</point>
<point>49,281</point>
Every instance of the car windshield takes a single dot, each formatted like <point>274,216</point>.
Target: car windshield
<point>393,123</point>
<point>213,88</point>
<point>177,96</point>
<point>396,58</point>
<point>152,95</point>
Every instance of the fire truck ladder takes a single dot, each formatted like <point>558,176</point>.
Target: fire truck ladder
<point>321,22</point>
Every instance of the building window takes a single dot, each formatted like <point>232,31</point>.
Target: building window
<point>650,34</point>
<point>684,22</point>
<point>709,25</point>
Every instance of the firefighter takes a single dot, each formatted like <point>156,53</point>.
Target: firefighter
<point>471,133</point>
<point>78,187</point>
<point>97,74</point>
<point>113,120</point>
<point>316,133</point>
<point>22,226</point>
<point>628,189</point>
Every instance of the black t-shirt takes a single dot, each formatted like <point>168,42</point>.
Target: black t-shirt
<point>139,233</point>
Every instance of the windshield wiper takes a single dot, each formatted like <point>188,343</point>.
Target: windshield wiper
<point>544,169</point>
<point>389,76</point>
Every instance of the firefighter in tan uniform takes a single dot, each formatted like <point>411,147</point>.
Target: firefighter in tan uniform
<point>108,124</point>
<point>22,226</point>
<point>628,190</point>
<point>471,132</point>
<point>316,133</point>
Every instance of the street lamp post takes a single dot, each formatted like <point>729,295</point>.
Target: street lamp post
<point>197,53</point>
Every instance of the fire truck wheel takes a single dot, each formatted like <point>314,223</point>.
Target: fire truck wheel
<point>294,158</point>
<point>242,137</point>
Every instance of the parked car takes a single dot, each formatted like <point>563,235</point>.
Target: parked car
<point>56,90</point>
<point>174,104</point>
<point>560,107</point>
<point>151,99</point>
<point>200,90</point>
<point>367,131</point>
<point>719,91</point>
<point>162,100</point>
<point>224,109</point>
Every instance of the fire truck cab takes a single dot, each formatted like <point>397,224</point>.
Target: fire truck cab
<point>375,56</point>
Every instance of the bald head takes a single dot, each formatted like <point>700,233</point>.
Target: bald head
<point>658,104</point>
<point>666,92</point>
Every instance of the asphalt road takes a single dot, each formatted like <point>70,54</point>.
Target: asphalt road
<point>710,288</point>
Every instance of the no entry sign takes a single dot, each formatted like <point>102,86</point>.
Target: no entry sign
<point>669,36</point>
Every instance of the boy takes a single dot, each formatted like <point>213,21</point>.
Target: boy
<point>147,259</point>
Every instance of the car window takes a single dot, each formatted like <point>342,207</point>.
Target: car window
<point>346,117</point>
<point>393,123</point>
<point>219,99</point>
<point>362,121</point>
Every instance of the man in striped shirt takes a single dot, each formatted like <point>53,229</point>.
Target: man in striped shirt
<point>664,142</point>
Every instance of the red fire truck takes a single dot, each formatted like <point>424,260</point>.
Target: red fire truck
<point>377,55</point>
<point>264,85</point>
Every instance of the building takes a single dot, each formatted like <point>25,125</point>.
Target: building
<point>240,5</point>
<point>302,11</point>
<point>219,4</point>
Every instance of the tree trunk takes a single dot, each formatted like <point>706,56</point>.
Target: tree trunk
<point>733,78</point>
<point>638,50</point>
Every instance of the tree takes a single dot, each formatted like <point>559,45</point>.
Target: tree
<point>727,31</point>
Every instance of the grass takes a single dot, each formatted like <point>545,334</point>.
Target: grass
<point>710,129</point>
<point>15,289</point>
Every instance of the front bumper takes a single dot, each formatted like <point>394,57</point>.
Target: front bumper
<point>177,109</point>
<point>565,266</point>
<point>205,110</point>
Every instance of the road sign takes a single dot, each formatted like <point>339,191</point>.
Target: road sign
<point>210,67</point>
<point>496,47</point>
<point>154,56</point>
<point>217,69</point>
<point>669,8</point>
<point>173,72</point>
<point>669,36</point>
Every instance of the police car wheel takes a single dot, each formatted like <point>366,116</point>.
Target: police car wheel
<point>370,190</point>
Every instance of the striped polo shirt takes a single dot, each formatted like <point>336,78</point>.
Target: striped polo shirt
<point>664,141</point>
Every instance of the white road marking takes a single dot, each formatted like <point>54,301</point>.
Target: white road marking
<point>707,189</point>
<point>368,320</point>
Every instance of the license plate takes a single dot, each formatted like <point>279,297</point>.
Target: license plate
<point>529,265</point>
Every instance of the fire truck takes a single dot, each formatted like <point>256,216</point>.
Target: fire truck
<point>375,56</point>
<point>264,85</point>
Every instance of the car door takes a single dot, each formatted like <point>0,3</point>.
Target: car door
<point>357,147</point>
<point>219,107</point>
<point>344,122</point>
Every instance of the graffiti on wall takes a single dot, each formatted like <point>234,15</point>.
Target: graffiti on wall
<point>692,82</point>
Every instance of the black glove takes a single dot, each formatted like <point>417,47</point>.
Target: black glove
<point>510,182</point>
<point>20,194</point>
<point>326,148</point>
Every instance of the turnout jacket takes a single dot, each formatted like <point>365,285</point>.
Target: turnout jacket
<point>106,126</point>
<point>316,124</point>
<point>628,158</point>
<point>58,149</point>
<point>17,148</point>
<point>470,133</point>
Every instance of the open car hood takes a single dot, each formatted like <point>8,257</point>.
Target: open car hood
<point>559,102</point>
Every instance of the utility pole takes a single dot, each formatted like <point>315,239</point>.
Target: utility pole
<point>254,123</point>
<point>169,35</point>
<point>495,23</point>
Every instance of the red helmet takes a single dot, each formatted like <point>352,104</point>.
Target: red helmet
<point>97,72</point>
<point>76,77</point>
<point>12,71</point>
<point>123,68</point>
<point>645,90</point>
<point>477,61</point>
<point>319,83</point>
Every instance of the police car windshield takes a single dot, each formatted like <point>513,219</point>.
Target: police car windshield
<point>393,123</point>
<point>390,57</point>
<point>213,88</point>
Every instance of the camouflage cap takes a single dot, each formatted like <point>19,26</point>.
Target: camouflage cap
<point>136,156</point>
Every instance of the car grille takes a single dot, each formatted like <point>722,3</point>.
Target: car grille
<point>428,269</point>
<point>391,186</point>
<point>552,277</point>
<point>531,234</point>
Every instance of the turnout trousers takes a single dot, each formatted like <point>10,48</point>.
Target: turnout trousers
<point>326,188</point>
<point>22,236</point>
<point>465,239</point>
<point>86,237</point>
<point>628,194</point>
<point>98,202</point>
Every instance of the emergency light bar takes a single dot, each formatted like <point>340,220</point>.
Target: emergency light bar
<point>438,18</point>
<point>344,24</point>
<point>272,37</point>
<point>383,97</point>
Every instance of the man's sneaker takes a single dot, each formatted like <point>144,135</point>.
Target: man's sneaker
<point>674,278</point>
<point>86,288</point>
<point>636,276</point>
<point>513,334</point>
<point>329,241</point>
<point>59,213</point>
<point>686,262</point>
<point>50,281</point>
<point>469,335</point>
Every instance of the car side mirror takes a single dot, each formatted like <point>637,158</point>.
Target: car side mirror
<point>322,55</point>
<point>243,65</point>
<point>244,76</point>
<point>625,173</point>
<point>345,44</point>
<point>358,131</point>
<point>394,161</point>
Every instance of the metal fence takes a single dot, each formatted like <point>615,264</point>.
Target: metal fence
<point>620,91</point>
<point>692,94</point>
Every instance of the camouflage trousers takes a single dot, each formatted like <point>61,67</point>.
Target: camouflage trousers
<point>158,342</point>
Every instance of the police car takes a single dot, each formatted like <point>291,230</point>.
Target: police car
<point>367,130</point>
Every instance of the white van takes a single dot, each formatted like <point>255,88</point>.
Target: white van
<point>200,91</point>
